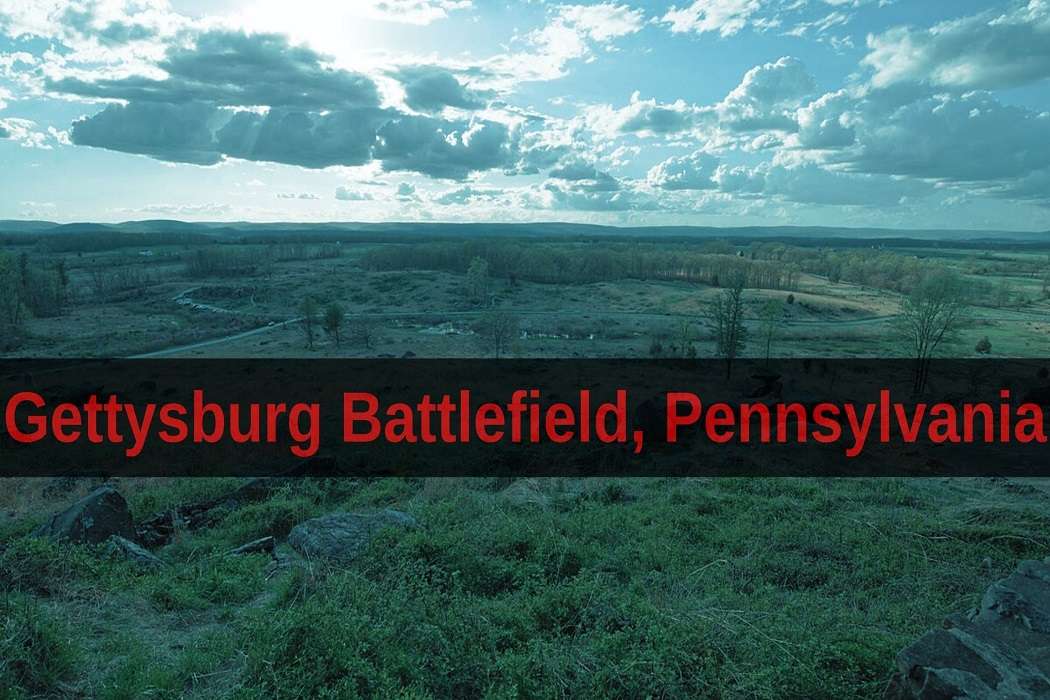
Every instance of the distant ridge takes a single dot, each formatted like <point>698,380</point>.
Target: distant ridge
<point>444,229</point>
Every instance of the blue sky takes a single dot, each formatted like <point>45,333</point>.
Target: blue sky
<point>896,113</point>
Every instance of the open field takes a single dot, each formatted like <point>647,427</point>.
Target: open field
<point>160,301</point>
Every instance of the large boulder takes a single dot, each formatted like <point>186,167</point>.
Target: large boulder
<point>93,519</point>
<point>340,537</point>
<point>1000,650</point>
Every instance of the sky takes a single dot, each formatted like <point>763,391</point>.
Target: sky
<point>887,113</point>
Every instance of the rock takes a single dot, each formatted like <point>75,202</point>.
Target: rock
<point>340,537</point>
<point>125,548</point>
<point>1000,650</point>
<point>91,520</point>
<point>526,492</point>
<point>259,546</point>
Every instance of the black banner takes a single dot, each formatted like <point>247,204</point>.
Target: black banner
<point>523,418</point>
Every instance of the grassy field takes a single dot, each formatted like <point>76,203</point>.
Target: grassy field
<point>554,588</point>
<point>764,588</point>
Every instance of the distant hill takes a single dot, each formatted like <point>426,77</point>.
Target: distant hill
<point>335,230</point>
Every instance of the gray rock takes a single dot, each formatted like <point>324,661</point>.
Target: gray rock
<point>1001,650</point>
<point>91,520</point>
<point>341,537</point>
<point>126,549</point>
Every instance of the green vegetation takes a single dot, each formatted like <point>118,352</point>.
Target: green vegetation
<point>756,588</point>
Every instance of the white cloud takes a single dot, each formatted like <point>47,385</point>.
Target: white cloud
<point>572,33</point>
<point>989,50</point>
<point>344,194</point>
<point>644,117</point>
<point>411,11</point>
<point>692,172</point>
<point>602,22</point>
<point>727,17</point>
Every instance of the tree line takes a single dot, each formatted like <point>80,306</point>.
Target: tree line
<point>580,263</point>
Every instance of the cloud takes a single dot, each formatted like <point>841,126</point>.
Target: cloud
<point>811,184</point>
<point>573,32</point>
<point>1033,188</point>
<point>234,69</point>
<point>258,97</point>
<point>766,97</point>
<point>692,172</point>
<point>344,194</point>
<point>301,195</point>
<point>27,133</point>
<point>309,139</point>
<point>583,176</point>
<point>727,17</point>
<point>826,122</point>
<point>180,133</point>
<point>412,11</point>
<point>441,148</point>
<point>989,50</point>
<point>431,89</point>
<point>467,195</point>
<point>971,138</point>
<point>583,196</point>
<point>602,22</point>
<point>644,117</point>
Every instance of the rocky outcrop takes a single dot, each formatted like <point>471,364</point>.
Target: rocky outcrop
<point>1000,650</point>
<point>341,537</point>
<point>91,520</point>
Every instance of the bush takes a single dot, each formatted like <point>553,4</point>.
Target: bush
<point>984,346</point>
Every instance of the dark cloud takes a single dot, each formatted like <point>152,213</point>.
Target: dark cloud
<point>235,69</point>
<point>311,140</point>
<point>432,88</point>
<point>181,133</point>
<point>968,138</point>
<point>313,115</point>
<point>4,133</point>
<point>582,176</point>
<point>468,195</point>
<point>581,196</point>
<point>441,148</point>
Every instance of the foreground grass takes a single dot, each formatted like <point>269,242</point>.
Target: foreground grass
<point>751,588</point>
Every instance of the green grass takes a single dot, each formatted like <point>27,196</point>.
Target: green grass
<point>737,588</point>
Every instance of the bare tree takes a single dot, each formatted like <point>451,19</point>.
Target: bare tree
<point>12,310</point>
<point>727,315</point>
<point>496,330</point>
<point>930,316</point>
<point>770,315</point>
<point>333,320</point>
<point>309,310</point>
